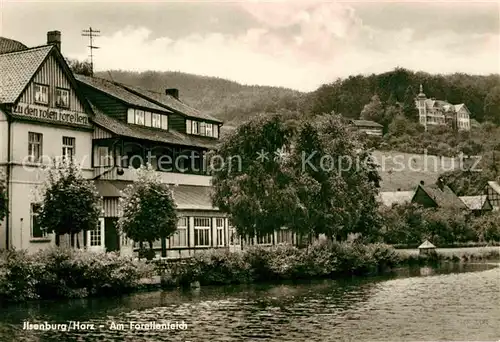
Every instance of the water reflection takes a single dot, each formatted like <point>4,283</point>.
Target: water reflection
<point>398,306</point>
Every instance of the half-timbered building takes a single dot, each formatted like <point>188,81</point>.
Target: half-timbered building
<point>110,129</point>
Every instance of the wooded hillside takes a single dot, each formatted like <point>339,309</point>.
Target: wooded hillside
<point>234,102</point>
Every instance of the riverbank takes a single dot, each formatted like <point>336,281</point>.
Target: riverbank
<point>59,273</point>
<point>321,260</point>
<point>452,302</point>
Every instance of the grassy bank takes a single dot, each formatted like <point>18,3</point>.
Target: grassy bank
<point>321,260</point>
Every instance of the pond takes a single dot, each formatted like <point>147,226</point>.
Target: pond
<point>453,302</point>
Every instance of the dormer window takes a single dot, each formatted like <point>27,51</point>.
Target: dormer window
<point>139,117</point>
<point>148,119</point>
<point>42,94</point>
<point>202,128</point>
<point>156,120</point>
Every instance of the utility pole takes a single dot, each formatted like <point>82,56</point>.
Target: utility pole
<point>91,33</point>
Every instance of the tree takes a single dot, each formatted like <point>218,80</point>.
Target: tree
<point>79,67</point>
<point>492,105</point>
<point>3,196</point>
<point>149,210</point>
<point>321,181</point>
<point>409,107</point>
<point>374,110</point>
<point>70,202</point>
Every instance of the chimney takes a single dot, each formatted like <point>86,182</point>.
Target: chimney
<point>54,38</point>
<point>172,92</point>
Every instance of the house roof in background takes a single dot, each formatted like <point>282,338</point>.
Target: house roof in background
<point>495,186</point>
<point>117,91</point>
<point>17,69</point>
<point>187,197</point>
<point>388,198</point>
<point>146,133</point>
<point>10,45</point>
<point>171,103</point>
<point>475,202</point>
<point>444,198</point>
<point>366,123</point>
<point>426,244</point>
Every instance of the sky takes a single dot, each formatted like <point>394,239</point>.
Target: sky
<point>298,44</point>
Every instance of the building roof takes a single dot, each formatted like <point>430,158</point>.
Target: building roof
<point>117,91</point>
<point>474,123</point>
<point>17,69</point>
<point>426,244</point>
<point>495,186</point>
<point>147,133</point>
<point>444,198</point>
<point>171,103</point>
<point>474,202</point>
<point>389,198</point>
<point>187,197</point>
<point>366,123</point>
<point>9,45</point>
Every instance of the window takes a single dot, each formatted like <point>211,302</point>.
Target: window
<point>95,237</point>
<point>62,98</point>
<point>156,120</point>
<point>202,128</point>
<point>233,237</point>
<point>36,231</point>
<point>195,127</point>
<point>68,150</point>
<point>264,239</point>
<point>284,236</point>
<point>164,122</point>
<point>147,116</point>
<point>189,126</point>
<point>208,129</point>
<point>219,224</point>
<point>34,147</point>
<point>202,231</point>
<point>41,94</point>
<point>102,157</point>
<point>216,131</point>
<point>131,116</point>
<point>139,117</point>
<point>179,239</point>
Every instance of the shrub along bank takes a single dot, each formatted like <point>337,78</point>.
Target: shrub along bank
<point>62,273</point>
<point>323,259</point>
<point>65,273</point>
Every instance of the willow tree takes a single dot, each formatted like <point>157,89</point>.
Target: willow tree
<point>149,210</point>
<point>70,203</point>
<point>312,176</point>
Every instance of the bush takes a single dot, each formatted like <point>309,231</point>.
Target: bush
<point>65,273</point>
<point>321,259</point>
<point>18,276</point>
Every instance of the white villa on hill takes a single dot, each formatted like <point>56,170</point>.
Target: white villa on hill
<point>438,112</point>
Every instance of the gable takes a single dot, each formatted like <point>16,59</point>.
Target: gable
<point>421,197</point>
<point>55,78</point>
<point>17,69</point>
<point>487,205</point>
<point>463,110</point>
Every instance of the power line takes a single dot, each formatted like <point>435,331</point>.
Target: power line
<point>91,33</point>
